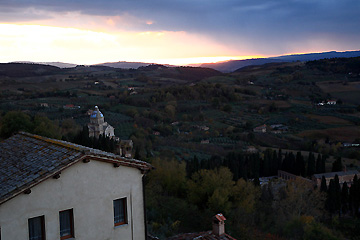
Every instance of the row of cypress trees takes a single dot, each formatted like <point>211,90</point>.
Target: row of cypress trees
<point>343,199</point>
<point>244,165</point>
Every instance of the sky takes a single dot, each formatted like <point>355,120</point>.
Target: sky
<point>173,31</point>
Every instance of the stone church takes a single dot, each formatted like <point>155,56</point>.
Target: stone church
<point>98,126</point>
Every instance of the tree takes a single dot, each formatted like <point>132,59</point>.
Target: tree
<point>169,175</point>
<point>337,165</point>
<point>13,122</point>
<point>45,127</point>
<point>211,189</point>
<point>300,164</point>
<point>322,165</point>
<point>354,196</point>
<point>295,200</point>
<point>333,201</point>
<point>245,198</point>
<point>319,164</point>
<point>227,108</point>
<point>311,165</point>
<point>344,198</point>
<point>323,187</point>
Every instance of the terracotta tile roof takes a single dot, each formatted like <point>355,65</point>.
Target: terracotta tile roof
<point>220,217</point>
<point>201,236</point>
<point>27,159</point>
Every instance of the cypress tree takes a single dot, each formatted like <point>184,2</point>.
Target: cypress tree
<point>323,187</point>
<point>284,165</point>
<point>266,163</point>
<point>330,200</point>
<point>337,165</point>
<point>318,164</point>
<point>254,161</point>
<point>274,163</point>
<point>344,198</point>
<point>337,194</point>
<point>322,165</point>
<point>279,158</point>
<point>291,162</point>
<point>300,164</point>
<point>311,165</point>
<point>256,181</point>
<point>354,196</point>
<point>242,168</point>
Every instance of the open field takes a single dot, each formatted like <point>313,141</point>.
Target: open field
<point>329,119</point>
<point>338,86</point>
<point>347,134</point>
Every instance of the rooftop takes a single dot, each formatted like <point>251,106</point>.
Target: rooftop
<point>332,174</point>
<point>201,236</point>
<point>27,159</point>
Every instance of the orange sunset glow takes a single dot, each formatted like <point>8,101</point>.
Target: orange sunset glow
<point>47,43</point>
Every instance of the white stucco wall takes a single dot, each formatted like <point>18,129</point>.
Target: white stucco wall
<point>89,189</point>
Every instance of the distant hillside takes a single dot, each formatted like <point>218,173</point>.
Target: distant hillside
<point>59,64</point>
<point>55,64</point>
<point>195,73</point>
<point>26,70</point>
<point>233,65</point>
<point>127,65</point>
<point>190,74</point>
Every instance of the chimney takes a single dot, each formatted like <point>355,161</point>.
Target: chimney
<point>218,224</point>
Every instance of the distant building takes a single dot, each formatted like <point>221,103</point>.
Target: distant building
<point>44,105</point>
<point>251,149</point>
<point>345,176</point>
<point>126,147</point>
<point>98,126</point>
<point>217,233</point>
<point>278,128</point>
<point>260,129</point>
<point>331,102</point>
<point>71,106</point>
<point>52,189</point>
<point>286,176</point>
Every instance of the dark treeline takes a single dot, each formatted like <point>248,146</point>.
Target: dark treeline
<point>103,142</point>
<point>252,166</point>
<point>342,199</point>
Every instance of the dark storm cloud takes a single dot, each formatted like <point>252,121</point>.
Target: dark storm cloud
<point>265,22</point>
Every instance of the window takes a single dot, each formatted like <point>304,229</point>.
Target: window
<point>36,228</point>
<point>120,216</point>
<point>66,224</point>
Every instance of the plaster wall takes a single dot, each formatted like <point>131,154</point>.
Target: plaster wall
<point>87,188</point>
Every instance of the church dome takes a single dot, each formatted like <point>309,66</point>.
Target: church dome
<point>96,113</point>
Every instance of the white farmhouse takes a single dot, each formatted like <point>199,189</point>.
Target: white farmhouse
<point>52,189</point>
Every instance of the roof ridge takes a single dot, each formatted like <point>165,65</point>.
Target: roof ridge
<point>85,150</point>
<point>53,141</point>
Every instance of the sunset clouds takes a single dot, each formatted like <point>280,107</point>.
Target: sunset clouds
<point>97,31</point>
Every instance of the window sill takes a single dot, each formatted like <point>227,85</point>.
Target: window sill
<point>121,225</point>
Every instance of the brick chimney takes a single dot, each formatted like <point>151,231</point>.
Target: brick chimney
<point>218,224</point>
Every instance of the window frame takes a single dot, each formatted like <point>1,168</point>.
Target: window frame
<point>42,226</point>
<point>72,232</point>
<point>123,205</point>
